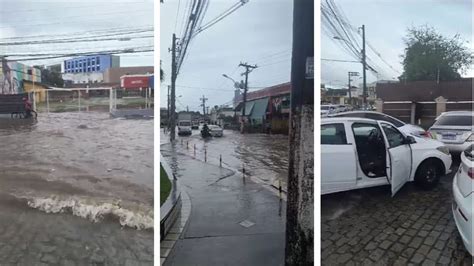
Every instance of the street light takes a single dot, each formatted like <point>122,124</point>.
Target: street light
<point>236,84</point>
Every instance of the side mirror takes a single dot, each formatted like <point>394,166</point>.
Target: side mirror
<point>409,140</point>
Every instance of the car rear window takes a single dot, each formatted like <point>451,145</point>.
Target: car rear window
<point>455,120</point>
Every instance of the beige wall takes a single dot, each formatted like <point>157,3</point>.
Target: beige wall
<point>112,75</point>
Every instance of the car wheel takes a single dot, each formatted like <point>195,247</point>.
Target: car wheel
<point>428,174</point>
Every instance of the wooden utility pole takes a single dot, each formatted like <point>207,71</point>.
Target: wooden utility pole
<point>248,69</point>
<point>168,109</point>
<point>364,66</point>
<point>299,248</point>
<point>173,90</point>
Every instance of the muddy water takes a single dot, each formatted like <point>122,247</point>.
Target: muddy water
<point>85,164</point>
<point>263,156</point>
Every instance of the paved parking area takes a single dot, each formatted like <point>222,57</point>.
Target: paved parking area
<point>368,226</point>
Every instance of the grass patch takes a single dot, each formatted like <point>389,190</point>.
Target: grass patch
<point>165,185</point>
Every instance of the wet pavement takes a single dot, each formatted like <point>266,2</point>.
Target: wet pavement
<point>75,187</point>
<point>264,156</point>
<point>233,220</point>
<point>369,227</point>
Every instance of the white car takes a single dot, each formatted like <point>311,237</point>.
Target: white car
<point>407,129</point>
<point>359,153</point>
<point>455,129</point>
<point>328,109</point>
<point>216,131</point>
<point>463,194</point>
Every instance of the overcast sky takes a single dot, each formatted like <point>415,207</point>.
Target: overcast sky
<point>259,33</point>
<point>386,23</point>
<point>24,18</point>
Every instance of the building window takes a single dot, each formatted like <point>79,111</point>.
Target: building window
<point>98,60</point>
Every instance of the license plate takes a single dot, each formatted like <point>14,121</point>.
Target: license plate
<point>449,136</point>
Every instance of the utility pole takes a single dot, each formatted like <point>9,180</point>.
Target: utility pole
<point>299,249</point>
<point>187,108</point>
<point>364,66</point>
<point>173,90</point>
<point>168,109</point>
<point>248,69</point>
<point>203,104</point>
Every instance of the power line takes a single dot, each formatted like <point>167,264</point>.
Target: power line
<point>76,40</point>
<point>277,62</point>
<point>75,34</point>
<point>202,88</point>
<point>339,60</point>
<point>124,51</point>
<point>177,15</point>
<point>100,17</point>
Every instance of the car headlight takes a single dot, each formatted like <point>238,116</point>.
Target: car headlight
<point>443,149</point>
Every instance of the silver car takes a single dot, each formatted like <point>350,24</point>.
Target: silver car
<point>216,131</point>
<point>455,130</point>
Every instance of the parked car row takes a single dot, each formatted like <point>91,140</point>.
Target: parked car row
<point>333,109</point>
<point>377,149</point>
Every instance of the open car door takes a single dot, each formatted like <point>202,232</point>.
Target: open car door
<point>399,156</point>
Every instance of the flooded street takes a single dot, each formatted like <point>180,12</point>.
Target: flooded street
<point>85,164</point>
<point>263,156</point>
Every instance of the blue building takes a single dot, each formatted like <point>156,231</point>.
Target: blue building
<point>91,63</point>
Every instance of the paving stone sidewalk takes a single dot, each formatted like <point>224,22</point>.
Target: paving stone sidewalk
<point>369,227</point>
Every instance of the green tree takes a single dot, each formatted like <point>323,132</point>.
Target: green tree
<point>50,77</point>
<point>431,56</point>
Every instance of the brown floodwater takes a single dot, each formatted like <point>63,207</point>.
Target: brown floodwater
<point>83,163</point>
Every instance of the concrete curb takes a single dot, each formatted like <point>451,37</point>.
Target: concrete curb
<point>171,208</point>
<point>174,215</point>
<point>167,244</point>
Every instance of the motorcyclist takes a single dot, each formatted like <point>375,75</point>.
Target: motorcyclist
<point>28,107</point>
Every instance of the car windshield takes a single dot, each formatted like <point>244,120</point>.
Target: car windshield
<point>455,120</point>
<point>185,124</point>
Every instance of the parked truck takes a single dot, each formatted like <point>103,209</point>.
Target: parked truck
<point>184,124</point>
